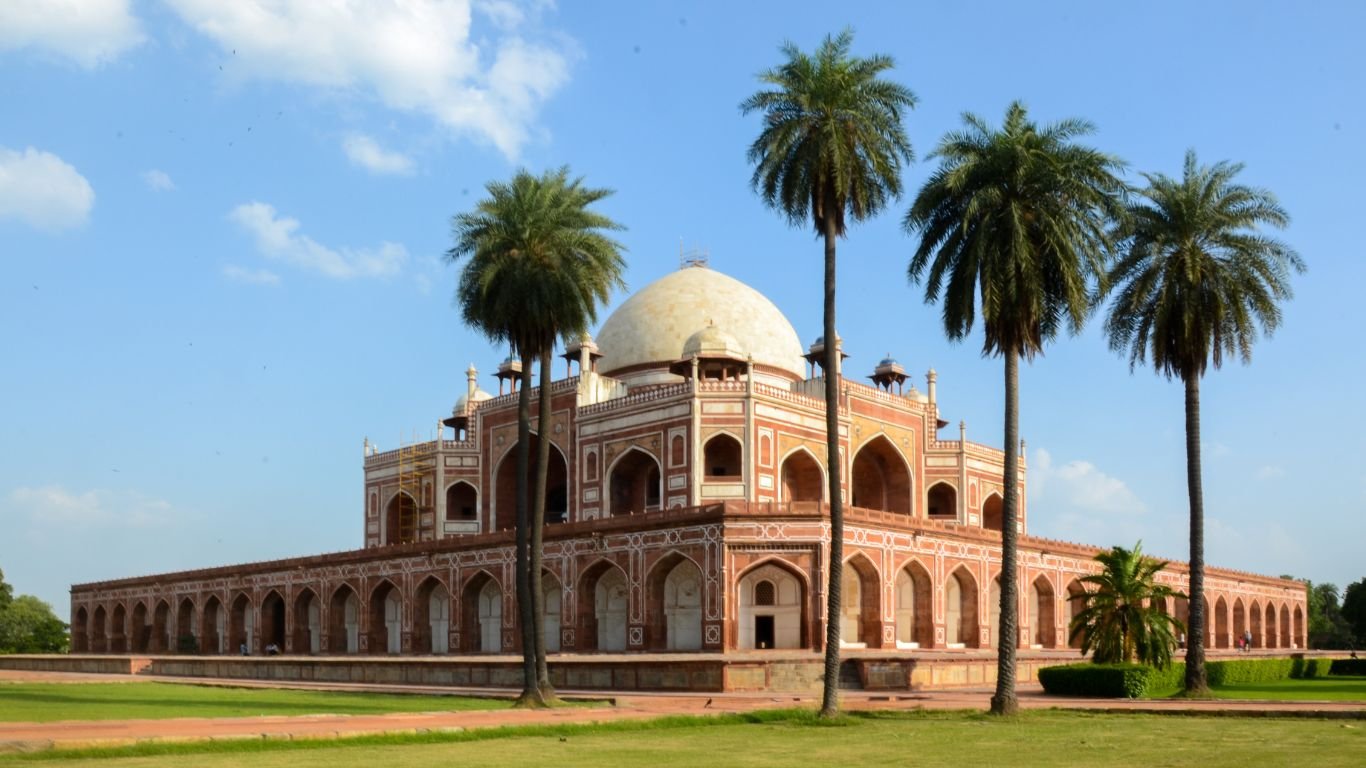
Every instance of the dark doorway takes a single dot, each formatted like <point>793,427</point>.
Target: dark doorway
<point>764,636</point>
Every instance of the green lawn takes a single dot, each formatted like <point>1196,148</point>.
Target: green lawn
<point>47,702</point>
<point>1332,688</point>
<point>1054,738</point>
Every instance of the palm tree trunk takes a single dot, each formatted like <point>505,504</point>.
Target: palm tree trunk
<point>1004,701</point>
<point>830,696</point>
<point>538,526</point>
<point>1196,684</point>
<point>530,696</point>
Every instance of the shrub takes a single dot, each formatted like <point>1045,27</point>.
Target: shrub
<point>1347,667</point>
<point>187,644</point>
<point>1236,671</point>
<point>1115,681</point>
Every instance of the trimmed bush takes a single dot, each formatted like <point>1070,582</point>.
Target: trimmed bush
<point>1347,667</point>
<point>1114,681</point>
<point>1236,671</point>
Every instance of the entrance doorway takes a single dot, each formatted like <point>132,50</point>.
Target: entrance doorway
<point>764,636</point>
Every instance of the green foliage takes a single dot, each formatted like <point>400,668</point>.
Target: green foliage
<point>1354,610</point>
<point>1116,681</point>
<point>1328,627</point>
<point>187,644</point>
<point>6,592</point>
<point>28,625</point>
<point>833,142</point>
<point>1119,621</point>
<point>1353,667</point>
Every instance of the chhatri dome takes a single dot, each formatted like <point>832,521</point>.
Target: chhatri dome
<point>653,328</point>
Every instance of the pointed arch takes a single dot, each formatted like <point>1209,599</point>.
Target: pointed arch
<point>400,519</point>
<point>481,614</point>
<point>634,482</point>
<point>772,595</point>
<point>1239,621</point>
<point>385,633</point>
<point>1273,637</point>
<point>673,589</point>
<point>185,640</point>
<point>159,640</point>
<point>552,591</point>
<point>431,616</point>
<point>960,609</point>
<point>1221,634</point>
<point>343,620</point>
<point>1076,603</point>
<point>99,631</point>
<point>1299,640</point>
<point>860,602</point>
<point>1043,615</point>
<point>504,502</point>
<point>462,502</point>
<point>1254,615</point>
<point>308,626</point>
<point>914,606</point>
<point>80,631</point>
<point>604,600</point>
<point>213,627</point>
<point>241,625</point>
<point>273,621</point>
<point>994,613</point>
<point>1287,630</point>
<point>118,629</point>
<point>139,632</point>
<point>991,512</point>
<point>942,501</point>
<point>880,477</point>
<point>723,457</point>
<point>802,476</point>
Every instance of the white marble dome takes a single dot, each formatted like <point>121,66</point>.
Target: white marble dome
<point>651,328</point>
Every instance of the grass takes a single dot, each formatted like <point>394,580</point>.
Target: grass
<point>49,702</point>
<point>1332,688</point>
<point>1042,738</point>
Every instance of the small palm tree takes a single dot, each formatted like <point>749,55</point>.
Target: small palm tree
<point>1121,620</point>
<point>538,266</point>
<point>831,151</point>
<point>1194,282</point>
<point>1015,220</point>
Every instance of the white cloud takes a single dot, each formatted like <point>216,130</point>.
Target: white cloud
<point>89,32</point>
<point>365,152</point>
<point>56,507</point>
<point>253,276</point>
<point>158,181</point>
<point>1081,485</point>
<point>278,238</point>
<point>42,190</point>
<point>415,56</point>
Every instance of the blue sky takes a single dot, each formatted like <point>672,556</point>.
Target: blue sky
<point>222,229</point>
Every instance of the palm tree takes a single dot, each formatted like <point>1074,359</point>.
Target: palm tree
<point>1121,620</point>
<point>831,149</point>
<point>1015,220</point>
<point>538,266</point>
<point>1194,281</point>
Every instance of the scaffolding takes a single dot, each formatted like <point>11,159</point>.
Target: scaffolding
<point>416,462</point>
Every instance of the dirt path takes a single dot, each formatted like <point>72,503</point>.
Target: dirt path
<point>624,706</point>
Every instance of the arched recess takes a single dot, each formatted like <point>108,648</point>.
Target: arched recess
<point>1209,623</point>
<point>1273,635</point>
<point>185,641</point>
<point>1182,614</point>
<point>991,513</point>
<point>1299,640</point>
<point>481,625</point>
<point>880,477</point>
<point>1287,630</point>
<point>118,628</point>
<point>1076,603</point>
<point>603,605</point>
<point>343,621</point>
<point>140,632</point>
<point>213,627</point>
<point>994,612</point>
<point>634,483</point>
<point>308,625</point>
<point>942,502</point>
<point>1239,621</point>
<point>1254,615</point>
<point>803,480</point>
<point>462,502</point>
<point>552,597</point>
<point>241,625</point>
<point>914,607</point>
<point>386,619</point>
<point>1043,616</point>
<point>400,519</point>
<point>860,604</point>
<point>99,631</point>
<point>723,457</point>
<point>674,604</point>
<point>431,617</point>
<point>1220,623</point>
<point>159,637</point>
<point>273,621</point>
<point>80,631</point>
<point>960,609</point>
<point>505,486</point>
<point>773,608</point>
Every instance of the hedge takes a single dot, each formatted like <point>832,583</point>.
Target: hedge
<point>1135,681</point>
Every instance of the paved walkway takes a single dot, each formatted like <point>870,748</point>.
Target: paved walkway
<point>622,706</point>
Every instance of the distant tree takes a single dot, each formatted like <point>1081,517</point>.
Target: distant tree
<point>1015,221</point>
<point>28,625</point>
<point>6,592</point>
<point>830,153</point>
<point>1120,621</point>
<point>1354,610</point>
<point>1328,628</point>
<point>1194,281</point>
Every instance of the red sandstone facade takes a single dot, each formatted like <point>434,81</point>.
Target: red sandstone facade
<point>686,512</point>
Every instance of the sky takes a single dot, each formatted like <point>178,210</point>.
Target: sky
<point>223,230</point>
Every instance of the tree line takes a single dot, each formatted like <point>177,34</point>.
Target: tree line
<point>28,625</point>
